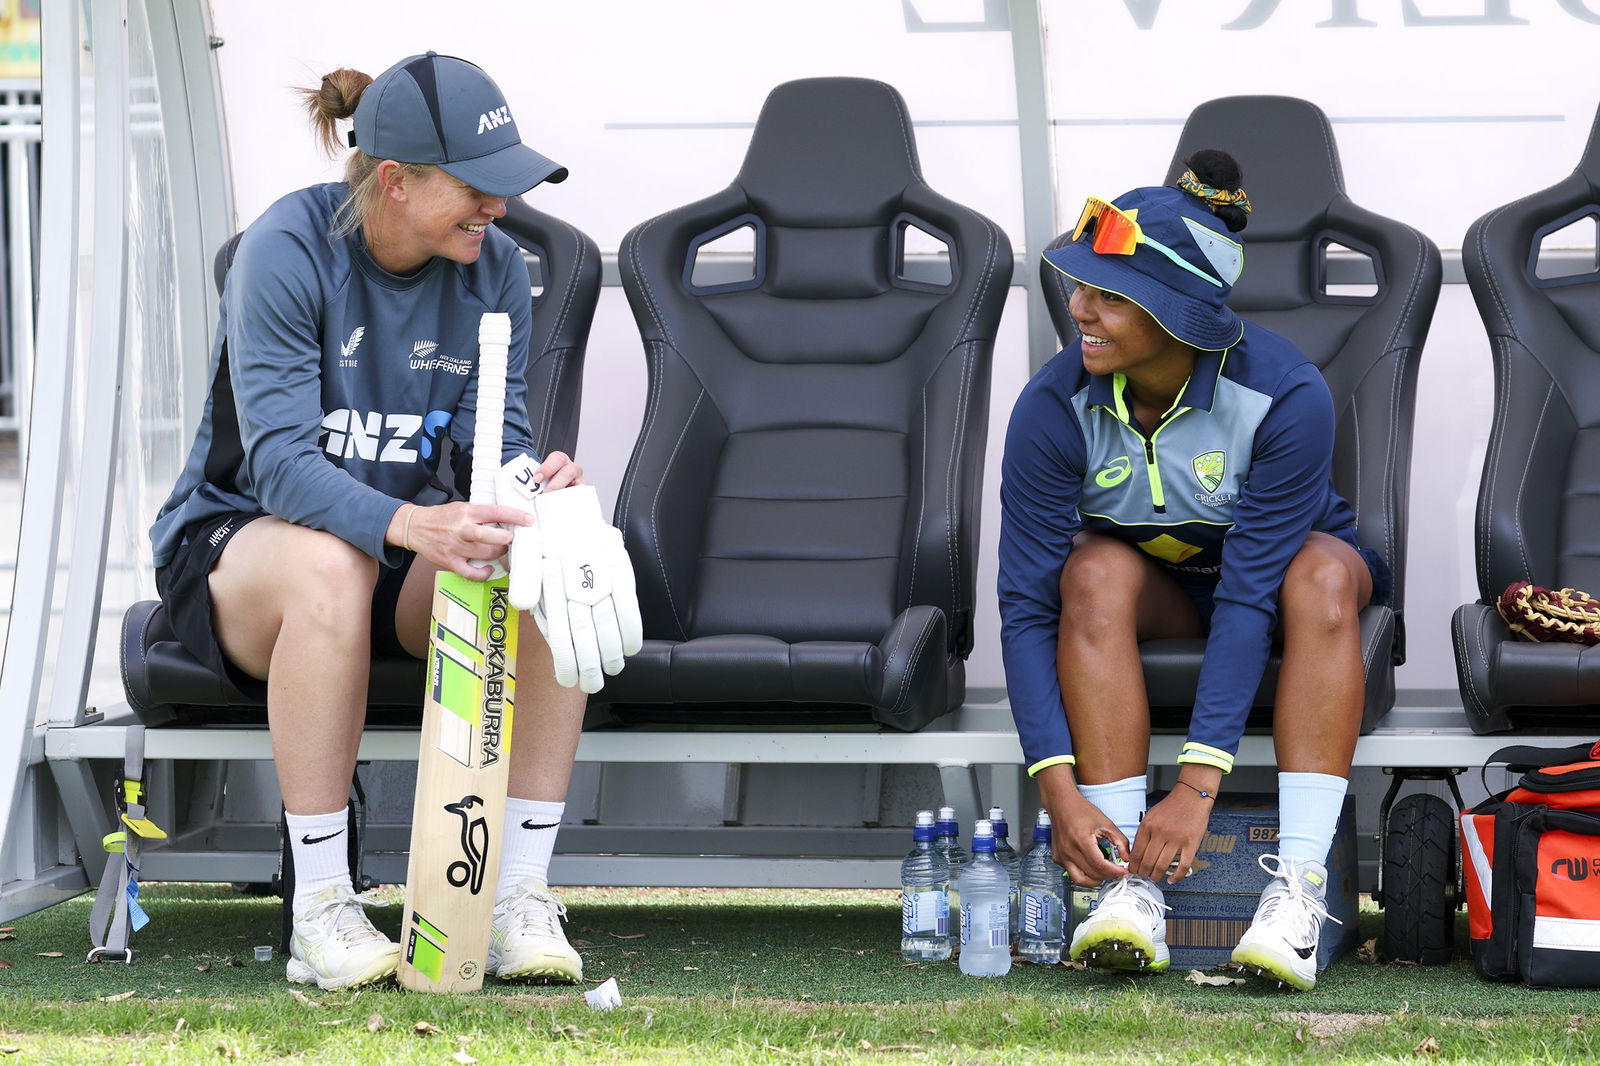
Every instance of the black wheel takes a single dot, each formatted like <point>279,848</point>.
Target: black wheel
<point>1419,882</point>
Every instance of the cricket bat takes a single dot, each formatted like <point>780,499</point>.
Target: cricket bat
<point>460,804</point>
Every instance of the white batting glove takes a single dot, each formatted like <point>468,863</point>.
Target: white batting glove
<point>515,486</point>
<point>587,608</point>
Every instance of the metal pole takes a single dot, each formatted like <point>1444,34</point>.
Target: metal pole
<point>107,342</point>
<point>19,226</point>
<point>1037,144</point>
<point>48,440</point>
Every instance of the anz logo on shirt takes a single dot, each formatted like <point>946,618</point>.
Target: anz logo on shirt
<point>382,438</point>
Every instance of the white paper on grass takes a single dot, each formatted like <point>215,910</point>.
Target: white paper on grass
<point>604,996</point>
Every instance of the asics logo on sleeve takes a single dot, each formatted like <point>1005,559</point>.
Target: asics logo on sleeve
<point>378,437</point>
<point>1115,472</point>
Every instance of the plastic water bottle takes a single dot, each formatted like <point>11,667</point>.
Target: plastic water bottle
<point>985,909</point>
<point>1044,893</point>
<point>1008,858</point>
<point>925,897</point>
<point>947,840</point>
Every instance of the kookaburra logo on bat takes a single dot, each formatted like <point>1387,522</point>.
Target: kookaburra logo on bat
<point>469,869</point>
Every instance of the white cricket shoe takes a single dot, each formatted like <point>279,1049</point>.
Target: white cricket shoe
<point>334,944</point>
<point>526,938</point>
<point>1127,930</point>
<point>1281,943</point>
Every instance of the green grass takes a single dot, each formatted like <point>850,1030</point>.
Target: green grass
<point>735,976</point>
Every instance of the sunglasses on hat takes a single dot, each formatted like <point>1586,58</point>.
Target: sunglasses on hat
<point>1113,231</point>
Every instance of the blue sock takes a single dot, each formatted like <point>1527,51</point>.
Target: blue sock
<point>1122,801</point>
<point>1308,812</point>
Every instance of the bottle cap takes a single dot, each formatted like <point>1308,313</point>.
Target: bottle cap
<point>947,814</point>
<point>924,817</point>
<point>983,835</point>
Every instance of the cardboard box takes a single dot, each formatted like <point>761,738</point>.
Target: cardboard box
<point>1212,907</point>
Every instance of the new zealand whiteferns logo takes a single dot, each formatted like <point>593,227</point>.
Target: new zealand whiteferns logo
<point>1209,468</point>
<point>425,356</point>
<point>469,869</point>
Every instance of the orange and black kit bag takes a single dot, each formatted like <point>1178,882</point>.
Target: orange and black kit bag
<point>1531,866</point>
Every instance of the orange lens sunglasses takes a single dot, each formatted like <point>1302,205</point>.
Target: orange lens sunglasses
<point>1118,233</point>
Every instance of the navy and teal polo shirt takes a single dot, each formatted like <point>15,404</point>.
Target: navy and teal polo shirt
<point>1222,493</point>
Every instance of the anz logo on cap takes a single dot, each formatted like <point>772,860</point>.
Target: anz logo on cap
<point>500,116</point>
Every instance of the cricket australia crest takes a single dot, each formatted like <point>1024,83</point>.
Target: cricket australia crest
<point>1209,468</point>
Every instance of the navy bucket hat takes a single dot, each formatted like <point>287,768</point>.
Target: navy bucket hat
<point>1190,304</point>
<point>445,111</point>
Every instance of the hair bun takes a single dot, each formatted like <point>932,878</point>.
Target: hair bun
<point>1216,177</point>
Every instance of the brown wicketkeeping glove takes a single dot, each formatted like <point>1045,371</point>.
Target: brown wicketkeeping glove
<point>1542,614</point>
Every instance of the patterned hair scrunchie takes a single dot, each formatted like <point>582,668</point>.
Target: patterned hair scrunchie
<point>1212,195</point>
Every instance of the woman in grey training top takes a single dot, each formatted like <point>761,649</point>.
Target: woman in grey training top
<point>297,543</point>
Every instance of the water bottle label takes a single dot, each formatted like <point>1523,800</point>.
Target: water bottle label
<point>1000,924</point>
<point>924,913</point>
<point>1041,914</point>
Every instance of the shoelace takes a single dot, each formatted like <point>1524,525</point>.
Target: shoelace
<point>543,919</point>
<point>1312,911</point>
<point>347,923</point>
<point>1146,902</point>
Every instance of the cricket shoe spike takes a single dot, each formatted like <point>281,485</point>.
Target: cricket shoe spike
<point>1127,929</point>
<point>334,944</point>
<point>526,938</point>
<point>1281,943</point>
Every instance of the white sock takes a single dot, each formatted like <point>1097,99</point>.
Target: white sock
<point>1308,813</point>
<point>530,840</point>
<point>1122,801</point>
<point>320,845</point>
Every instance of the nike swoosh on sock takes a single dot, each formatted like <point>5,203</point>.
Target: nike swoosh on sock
<point>309,839</point>
<point>528,824</point>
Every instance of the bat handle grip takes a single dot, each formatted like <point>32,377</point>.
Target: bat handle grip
<point>494,341</point>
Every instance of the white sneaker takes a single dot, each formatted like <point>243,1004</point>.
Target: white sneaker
<point>1127,930</point>
<point>526,939</point>
<point>334,944</point>
<point>1281,943</point>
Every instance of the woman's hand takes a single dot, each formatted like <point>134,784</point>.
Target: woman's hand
<point>558,471</point>
<point>459,537</point>
<point>1078,829</point>
<point>1172,830</point>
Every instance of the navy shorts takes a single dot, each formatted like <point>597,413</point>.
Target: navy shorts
<point>184,589</point>
<point>1382,588</point>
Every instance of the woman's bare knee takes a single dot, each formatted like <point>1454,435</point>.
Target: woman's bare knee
<point>273,574</point>
<point>1320,591</point>
<point>1100,586</point>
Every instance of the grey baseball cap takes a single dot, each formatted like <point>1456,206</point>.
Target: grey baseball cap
<point>448,112</point>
